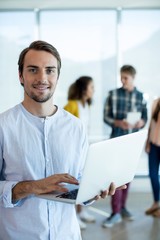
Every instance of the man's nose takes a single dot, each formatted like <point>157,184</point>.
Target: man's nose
<point>125,81</point>
<point>42,76</point>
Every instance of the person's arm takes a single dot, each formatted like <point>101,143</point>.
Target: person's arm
<point>144,112</point>
<point>104,194</point>
<point>108,111</point>
<point>123,124</point>
<point>53,183</point>
<point>5,186</point>
<point>142,122</point>
<point>110,191</point>
<point>147,147</point>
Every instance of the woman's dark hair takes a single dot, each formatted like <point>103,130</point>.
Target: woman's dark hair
<point>77,89</point>
<point>156,111</point>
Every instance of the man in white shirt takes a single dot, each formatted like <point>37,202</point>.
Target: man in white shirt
<point>41,146</point>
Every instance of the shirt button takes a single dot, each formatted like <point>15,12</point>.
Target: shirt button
<point>47,160</point>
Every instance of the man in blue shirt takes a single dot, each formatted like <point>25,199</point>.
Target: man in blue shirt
<point>41,147</point>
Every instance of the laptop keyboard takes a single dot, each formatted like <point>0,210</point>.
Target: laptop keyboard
<point>69,195</point>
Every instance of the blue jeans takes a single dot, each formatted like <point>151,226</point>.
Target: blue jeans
<point>154,163</point>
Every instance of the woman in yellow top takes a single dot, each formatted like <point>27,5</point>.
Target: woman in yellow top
<point>79,100</point>
<point>153,149</point>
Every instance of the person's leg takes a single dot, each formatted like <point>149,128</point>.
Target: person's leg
<point>125,196</point>
<point>153,171</point>
<point>124,212</point>
<point>81,223</point>
<point>116,201</point>
<point>115,217</point>
<point>83,216</point>
<point>154,176</point>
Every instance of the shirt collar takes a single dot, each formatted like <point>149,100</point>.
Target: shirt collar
<point>39,119</point>
<point>134,90</point>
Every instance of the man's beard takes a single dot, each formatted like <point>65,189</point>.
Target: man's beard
<point>40,99</point>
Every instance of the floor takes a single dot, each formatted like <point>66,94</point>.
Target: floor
<point>142,228</point>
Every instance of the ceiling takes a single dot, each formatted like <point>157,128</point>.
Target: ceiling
<point>77,4</point>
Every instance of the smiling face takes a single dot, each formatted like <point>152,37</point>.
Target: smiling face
<point>39,76</point>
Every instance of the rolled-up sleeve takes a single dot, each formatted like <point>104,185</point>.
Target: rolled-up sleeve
<point>6,194</point>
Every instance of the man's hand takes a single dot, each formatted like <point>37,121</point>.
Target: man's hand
<point>54,183</point>
<point>111,191</point>
<point>49,184</point>
<point>123,124</point>
<point>139,124</point>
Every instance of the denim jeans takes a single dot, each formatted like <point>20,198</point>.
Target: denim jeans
<point>154,162</point>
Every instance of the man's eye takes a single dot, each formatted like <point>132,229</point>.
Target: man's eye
<point>32,70</point>
<point>49,71</point>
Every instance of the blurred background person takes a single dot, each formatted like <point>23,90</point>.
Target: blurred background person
<point>79,100</point>
<point>153,150</point>
<point>119,103</point>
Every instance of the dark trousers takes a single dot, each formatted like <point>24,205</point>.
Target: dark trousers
<point>118,200</point>
<point>154,162</point>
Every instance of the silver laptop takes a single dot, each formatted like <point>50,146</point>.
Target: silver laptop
<point>114,160</point>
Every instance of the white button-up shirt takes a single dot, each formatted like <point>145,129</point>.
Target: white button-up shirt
<point>33,148</point>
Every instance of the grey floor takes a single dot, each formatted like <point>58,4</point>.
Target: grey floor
<point>142,228</point>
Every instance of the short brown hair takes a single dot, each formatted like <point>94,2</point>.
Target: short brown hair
<point>39,46</point>
<point>128,69</point>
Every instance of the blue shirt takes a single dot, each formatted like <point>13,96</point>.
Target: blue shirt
<point>33,148</point>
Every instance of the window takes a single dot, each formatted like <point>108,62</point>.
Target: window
<point>140,37</point>
<point>16,32</point>
<point>86,41</point>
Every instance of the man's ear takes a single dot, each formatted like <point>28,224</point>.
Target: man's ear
<point>21,79</point>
